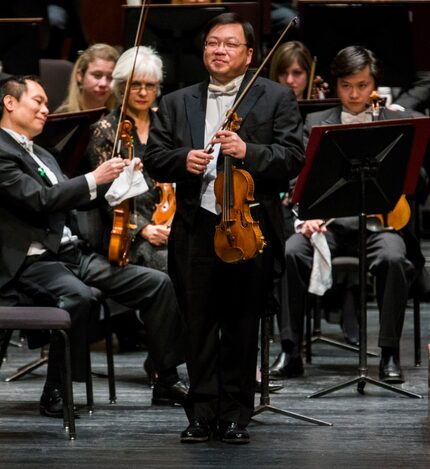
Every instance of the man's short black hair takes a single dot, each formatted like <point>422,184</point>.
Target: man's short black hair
<point>353,59</point>
<point>231,18</point>
<point>15,86</point>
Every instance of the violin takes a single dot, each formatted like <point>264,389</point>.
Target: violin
<point>399,217</point>
<point>165,209</point>
<point>237,237</point>
<point>121,238</point>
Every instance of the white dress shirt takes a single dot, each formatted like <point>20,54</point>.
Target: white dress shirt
<point>218,103</point>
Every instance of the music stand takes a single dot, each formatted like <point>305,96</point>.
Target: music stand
<point>355,170</point>
<point>66,136</point>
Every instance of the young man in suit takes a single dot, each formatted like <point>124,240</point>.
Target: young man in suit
<point>393,258</point>
<point>223,302</point>
<point>42,259</point>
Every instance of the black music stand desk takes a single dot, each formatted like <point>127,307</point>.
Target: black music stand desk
<point>356,170</point>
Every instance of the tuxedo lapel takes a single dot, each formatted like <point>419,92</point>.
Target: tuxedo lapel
<point>333,117</point>
<point>250,99</point>
<point>11,146</point>
<point>50,162</point>
<point>195,107</point>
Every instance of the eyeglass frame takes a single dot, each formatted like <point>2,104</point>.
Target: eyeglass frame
<point>227,44</point>
<point>136,87</point>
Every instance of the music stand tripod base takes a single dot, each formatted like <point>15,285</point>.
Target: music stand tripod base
<point>361,382</point>
<point>265,398</point>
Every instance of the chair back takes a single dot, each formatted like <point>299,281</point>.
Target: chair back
<point>55,76</point>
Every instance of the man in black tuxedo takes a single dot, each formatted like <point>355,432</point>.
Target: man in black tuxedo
<point>42,259</point>
<point>394,257</point>
<point>223,301</point>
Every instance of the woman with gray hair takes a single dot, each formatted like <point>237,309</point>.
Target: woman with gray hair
<point>150,244</point>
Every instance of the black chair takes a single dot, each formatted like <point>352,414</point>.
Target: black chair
<point>55,75</point>
<point>43,318</point>
<point>28,368</point>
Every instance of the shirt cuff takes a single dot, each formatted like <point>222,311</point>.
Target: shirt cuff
<point>298,225</point>
<point>92,185</point>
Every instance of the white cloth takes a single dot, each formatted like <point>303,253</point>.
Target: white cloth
<point>321,278</point>
<point>129,183</point>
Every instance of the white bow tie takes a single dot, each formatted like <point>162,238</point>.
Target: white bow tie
<point>26,143</point>
<point>348,118</point>
<point>229,90</point>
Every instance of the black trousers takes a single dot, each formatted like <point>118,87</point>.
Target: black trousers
<point>222,305</point>
<point>68,276</point>
<point>386,260</point>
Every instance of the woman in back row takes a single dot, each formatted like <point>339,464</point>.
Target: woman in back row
<point>90,80</point>
<point>292,65</point>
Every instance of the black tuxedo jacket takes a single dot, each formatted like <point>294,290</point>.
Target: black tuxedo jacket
<point>31,209</point>
<point>271,126</point>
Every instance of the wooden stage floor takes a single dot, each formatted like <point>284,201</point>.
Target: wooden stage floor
<point>378,429</point>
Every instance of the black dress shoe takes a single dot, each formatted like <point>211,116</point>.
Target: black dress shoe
<point>389,369</point>
<point>197,431</point>
<point>51,404</point>
<point>232,432</point>
<point>286,366</point>
<point>273,387</point>
<point>169,395</point>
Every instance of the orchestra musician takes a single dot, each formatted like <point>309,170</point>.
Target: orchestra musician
<point>393,258</point>
<point>149,239</point>
<point>222,302</point>
<point>149,245</point>
<point>294,66</point>
<point>44,260</point>
<point>291,65</point>
<point>89,85</point>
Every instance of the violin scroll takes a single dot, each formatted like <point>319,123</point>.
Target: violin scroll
<point>319,89</point>
<point>376,102</point>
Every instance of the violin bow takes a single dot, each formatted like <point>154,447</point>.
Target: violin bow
<point>138,38</point>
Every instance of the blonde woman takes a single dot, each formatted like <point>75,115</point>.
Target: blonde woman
<point>89,86</point>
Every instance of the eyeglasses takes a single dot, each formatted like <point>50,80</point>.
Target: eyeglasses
<point>228,45</point>
<point>136,86</point>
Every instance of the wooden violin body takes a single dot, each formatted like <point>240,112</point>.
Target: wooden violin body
<point>120,237</point>
<point>238,237</point>
<point>166,208</point>
<point>397,219</point>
